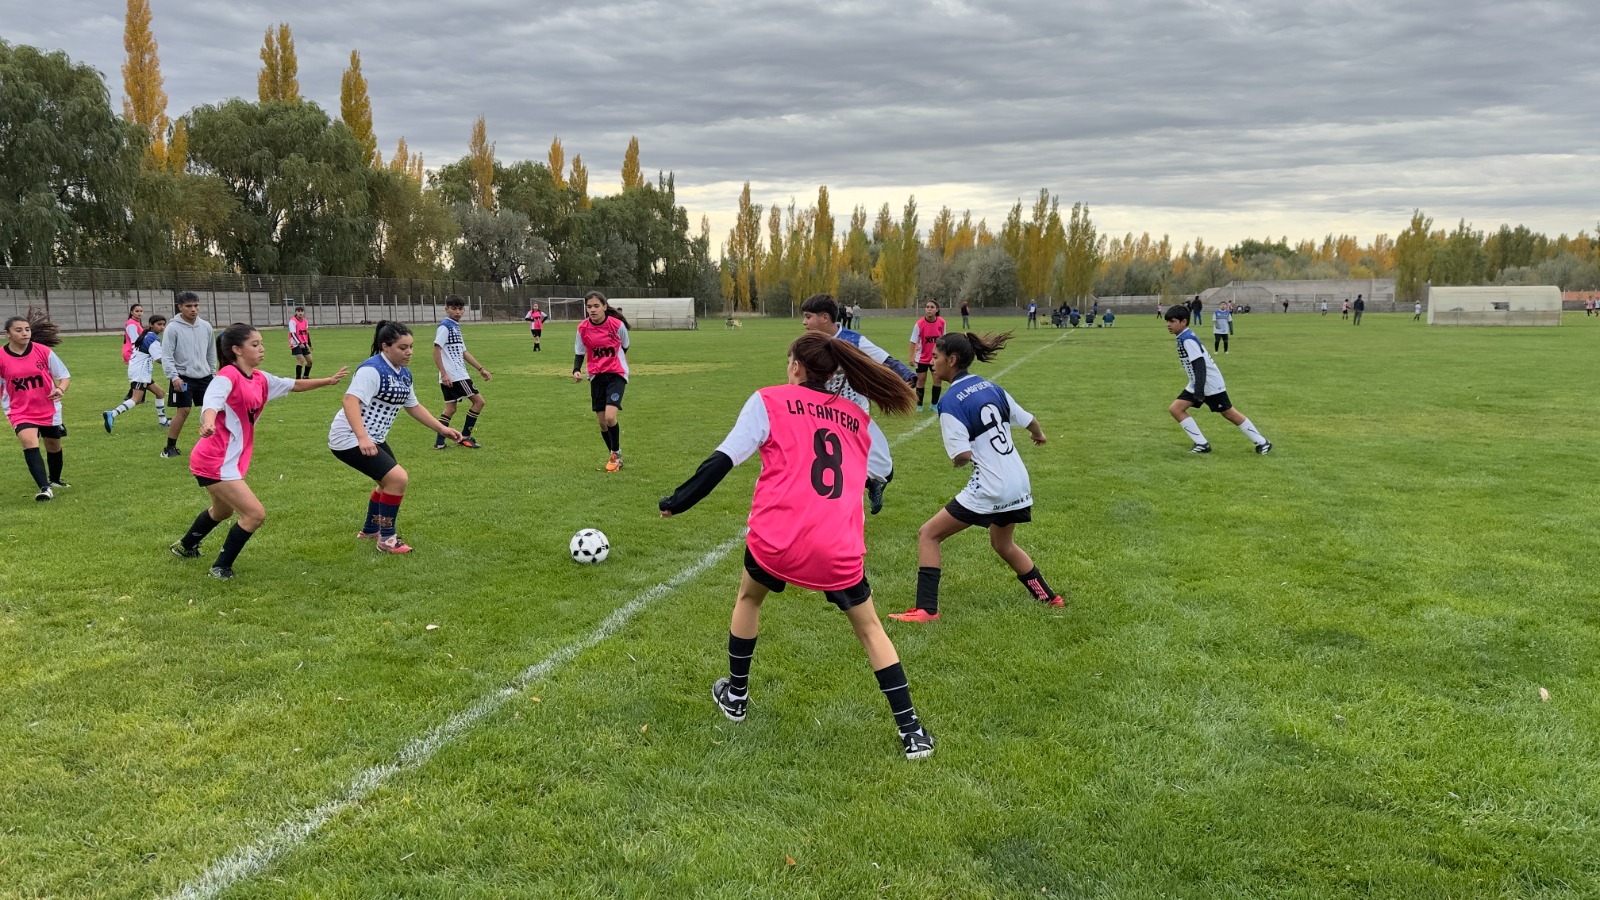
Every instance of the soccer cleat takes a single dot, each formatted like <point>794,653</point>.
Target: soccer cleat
<point>875,495</point>
<point>440,445</point>
<point>163,421</point>
<point>43,495</point>
<point>183,551</point>
<point>731,707</point>
<point>393,545</point>
<point>367,535</point>
<point>1200,448</point>
<point>615,462</point>
<point>222,572</point>
<point>915,614</point>
<point>59,484</point>
<point>1055,602</point>
<point>1264,448</point>
<point>108,417</point>
<point>171,453</point>
<point>469,442</point>
<point>919,409</point>
<point>918,744</point>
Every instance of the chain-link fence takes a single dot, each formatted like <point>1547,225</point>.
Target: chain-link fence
<point>87,300</point>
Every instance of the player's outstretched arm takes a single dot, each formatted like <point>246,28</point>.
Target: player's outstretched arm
<point>311,384</point>
<point>421,414</point>
<point>1036,432</point>
<point>701,483</point>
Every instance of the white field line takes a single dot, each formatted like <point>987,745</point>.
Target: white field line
<point>245,861</point>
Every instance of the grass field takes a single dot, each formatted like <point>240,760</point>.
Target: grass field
<point>1311,674</point>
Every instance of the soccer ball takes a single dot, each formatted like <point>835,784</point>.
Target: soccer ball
<point>589,546</point>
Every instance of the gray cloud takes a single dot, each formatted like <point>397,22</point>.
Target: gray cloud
<point>1213,118</point>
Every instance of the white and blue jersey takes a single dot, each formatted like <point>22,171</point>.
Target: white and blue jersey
<point>383,391</point>
<point>1221,321</point>
<point>880,464</point>
<point>141,362</point>
<point>1190,349</point>
<point>454,345</point>
<point>976,416</point>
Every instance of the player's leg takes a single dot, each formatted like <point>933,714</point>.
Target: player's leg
<point>616,432</point>
<point>922,380</point>
<point>181,402</point>
<point>31,455</point>
<point>1001,539</point>
<point>932,533</point>
<point>733,693</point>
<point>885,661</point>
<point>54,461</point>
<point>220,510</point>
<point>1232,414</point>
<point>236,496</point>
<point>308,362</point>
<point>391,491</point>
<point>134,398</point>
<point>1180,411</point>
<point>444,419</point>
<point>473,411</point>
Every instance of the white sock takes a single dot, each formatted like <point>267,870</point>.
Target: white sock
<point>1193,429</point>
<point>122,407</point>
<point>161,409</point>
<point>1250,431</point>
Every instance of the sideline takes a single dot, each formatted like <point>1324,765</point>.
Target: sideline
<point>245,861</point>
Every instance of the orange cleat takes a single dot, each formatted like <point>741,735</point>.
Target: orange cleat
<point>615,462</point>
<point>915,615</point>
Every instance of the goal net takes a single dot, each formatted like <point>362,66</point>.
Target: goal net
<point>1494,305</point>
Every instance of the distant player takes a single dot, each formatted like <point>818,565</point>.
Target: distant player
<point>227,437</point>
<point>1206,387</point>
<point>300,342</point>
<point>188,361</point>
<point>806,526</point>
<point>966,313</point>
<point>1417,315</point>
<point>451,358</point>
<point>1221,326</point>
<point>927,329</point>
<point>535,320</point>
<point>35,380</point>
<point>819,313</point>
<point>1345,314</point>
<point>379,390</point>
<point>1033,314</point>
<point>141,374</point>
<point>131,330</point>
<point>976,417</point>
<point>1324,307</point>
<point>602,345</point>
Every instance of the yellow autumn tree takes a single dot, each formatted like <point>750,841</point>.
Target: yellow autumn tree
<point>280,71</point>
<point>824,274</point>
<point>480,161</point>
<point>579,181</point>
<point>404,162</point>
<point>558,162</point>
<point>146,101</point>
<point>742,254</point>
<point>355,108</point>
<point>178,147</point>
<point>631,177</point>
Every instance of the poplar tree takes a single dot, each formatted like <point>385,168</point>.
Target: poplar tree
<point>1413,254</point>
<point>280,72</point>
<point>355,109</point>
<point>942,232</point>
<point>742,253</point>
<point>404,162</point>
<point>824,274</point>
<point>558,162</point>
<point>1080,255</point>
<point>178,147</point>
<point>579,181</point>
<point>856,258</point>
<point>480,159</point>
<point>630,166</point>
<point>146,102</point>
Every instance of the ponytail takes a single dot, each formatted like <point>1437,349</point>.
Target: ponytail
<point>969,347</point>
<point>44,331</point>
<point>388,332</point>
<point>821,356</point>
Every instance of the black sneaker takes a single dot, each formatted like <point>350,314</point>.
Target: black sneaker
<point>183,551</point>
<point>1264,448</point>
<point>1200,448</point>
<point>44,495</point>
<point>918,744</point>
<point>875,495</point>
<point>225,573</point>
<point>732,708</point>
<point>171,453</point>
<point>59,484</point>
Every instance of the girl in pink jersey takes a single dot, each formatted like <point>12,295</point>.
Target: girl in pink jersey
<point>131,330</point>
<point>924,333</point>
<point>221,457</point>
<point>535,319</point>
<point>805,519</point>
<point>602,341</point>
<point>35,380</point>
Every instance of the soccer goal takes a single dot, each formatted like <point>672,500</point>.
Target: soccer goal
<point>642,313</point>
<point>1539,305</point>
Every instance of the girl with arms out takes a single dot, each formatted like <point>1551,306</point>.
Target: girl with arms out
<point>602,344</point>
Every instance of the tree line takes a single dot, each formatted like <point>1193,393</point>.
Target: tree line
<point>280,186</point>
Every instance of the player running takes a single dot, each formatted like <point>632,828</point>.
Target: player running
<point>1205,387</point>
<point>451,358</point>
<point>379,390</point>
<point>976,417</point>
<point>35,380</point>
<point>806,526</point>
<point>924,332</point>
<point>141,374</point>
<point>227,438</point>
<point>602,344</point>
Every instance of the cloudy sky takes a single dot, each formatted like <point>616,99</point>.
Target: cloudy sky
<point>1214,118</point>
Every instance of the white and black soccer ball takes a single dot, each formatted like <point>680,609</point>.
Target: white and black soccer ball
<point>589,546</point>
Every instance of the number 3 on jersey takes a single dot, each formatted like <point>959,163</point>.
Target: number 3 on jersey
<point>827,470</point>
<point>1001,441</point>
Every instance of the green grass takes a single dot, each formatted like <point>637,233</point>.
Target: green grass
<point>1310,674</point>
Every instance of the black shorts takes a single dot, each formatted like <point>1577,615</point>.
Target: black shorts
<point>460,389</point>
<point>606,390</point>
<point>924,367</point>
<point>207,482</point>
<point>988,520</point>
<point>138,386</point>
<point>375,466</point>
<point>537,332</point>
<point>845,599</point>
<point>55,432</point>
<point>193,393</point>
<point>300,351</point>
<point>1215,402</point>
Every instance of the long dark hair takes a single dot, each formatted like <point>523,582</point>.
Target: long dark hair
<point>44,331</point>
<point>968,347</point>
<point>388,332</point>
<point>611,311</point>
<point>154,318</point>
<point>822,355</point>
<point>231,339</point>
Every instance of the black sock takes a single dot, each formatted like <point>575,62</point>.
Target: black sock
<point>740,652</point>
<point>444,419</point>
<point>203,525</point>
<point>892,681</point>
<point>472,420</point>
<point>237,537</point>
<point>54,464</point>
<point>920,397</point>
<point>297,370</point>
<point>605,435</point>
<point>616,437</point>
<point>928,588</point>
<point>35,460</point>
<point>936,395</point>
<point>308,370</point>
<point>1036,585</point>
<point>172,443</point>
